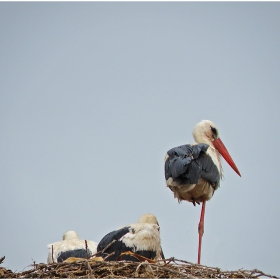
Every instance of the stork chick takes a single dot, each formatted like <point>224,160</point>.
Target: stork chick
<point>70,246</point>
<point>142,238</point>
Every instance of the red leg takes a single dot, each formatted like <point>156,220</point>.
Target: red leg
<point>201,230</point>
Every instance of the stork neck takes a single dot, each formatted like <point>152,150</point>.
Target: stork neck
<point>203,139</point>
<point>216,157</point>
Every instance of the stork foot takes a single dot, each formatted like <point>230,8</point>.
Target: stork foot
<point>195,202</point>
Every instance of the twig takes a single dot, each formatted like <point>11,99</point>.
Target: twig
<point>100,252</point>
<point>86,245</point>
<point>113,253</point>
<point>52,254</point>
<point>110,244</point>
<point>170,270</point>
<point>90,270</point>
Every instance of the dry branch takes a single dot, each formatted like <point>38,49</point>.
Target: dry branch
<point>169,268</point>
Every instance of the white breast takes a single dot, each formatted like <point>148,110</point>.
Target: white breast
<point>143,237</point>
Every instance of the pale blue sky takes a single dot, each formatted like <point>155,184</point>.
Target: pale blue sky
<point>93,94</point>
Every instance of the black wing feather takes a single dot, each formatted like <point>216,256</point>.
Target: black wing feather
<point>187,163</point>
<point>113,235</point>
<point>77,253</point>
<point>118,247</point>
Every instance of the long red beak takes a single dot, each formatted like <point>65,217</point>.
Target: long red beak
<point>219,145</point>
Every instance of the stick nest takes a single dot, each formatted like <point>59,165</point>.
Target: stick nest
<point>169,268</point>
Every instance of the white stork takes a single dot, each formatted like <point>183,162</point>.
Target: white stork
<point>142,239</point>
<point>193,172</point>
<point>70,246</point>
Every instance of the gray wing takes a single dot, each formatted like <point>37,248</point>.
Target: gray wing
<point>187,163</point>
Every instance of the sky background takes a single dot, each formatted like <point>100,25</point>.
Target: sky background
<point>93,95</point>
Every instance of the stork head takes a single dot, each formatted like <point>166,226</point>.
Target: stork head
<point>70,235</point>
<point>207,132</point>
<point>148,219</point>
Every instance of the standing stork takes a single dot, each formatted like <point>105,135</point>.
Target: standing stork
<point>193,172</point>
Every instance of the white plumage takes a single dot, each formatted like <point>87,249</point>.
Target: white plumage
<point>70,246</point>
<point>144,235</point>
<point>142,238</point>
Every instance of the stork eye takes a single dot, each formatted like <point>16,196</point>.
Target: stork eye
<point>214,130</point>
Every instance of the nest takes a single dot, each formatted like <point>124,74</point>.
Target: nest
<point>169,268</point>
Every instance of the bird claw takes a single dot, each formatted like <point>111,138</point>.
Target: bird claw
<point>195,202</point>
